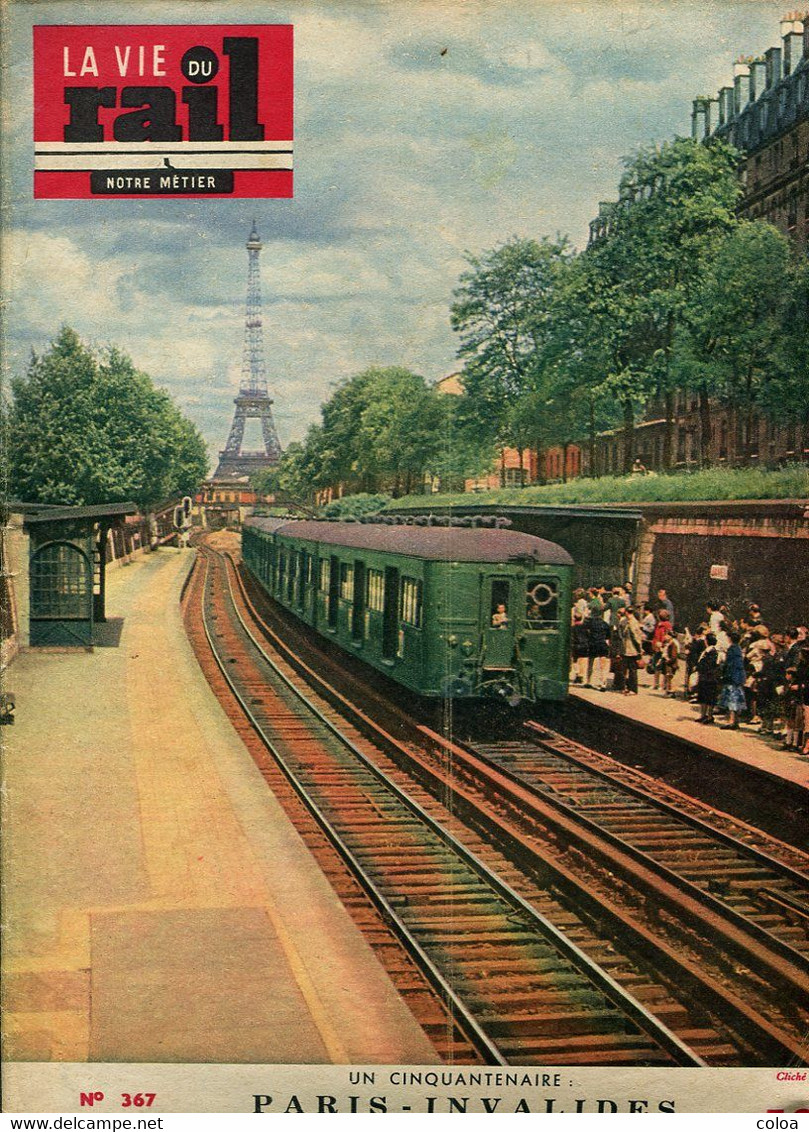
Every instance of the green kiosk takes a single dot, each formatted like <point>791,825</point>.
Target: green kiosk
<point>67,570</point>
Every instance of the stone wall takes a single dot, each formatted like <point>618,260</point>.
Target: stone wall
<point>735,553</point>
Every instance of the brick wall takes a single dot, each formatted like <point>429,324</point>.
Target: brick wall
<point>763,548</point>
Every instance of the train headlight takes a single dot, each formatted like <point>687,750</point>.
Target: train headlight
<point>452,641</point>
<point>467,648</point>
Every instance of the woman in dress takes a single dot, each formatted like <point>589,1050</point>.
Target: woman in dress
<point>598,651</point>
<point>732,697</point>
<point>708,670</point>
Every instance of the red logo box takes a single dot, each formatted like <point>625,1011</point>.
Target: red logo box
<point>168,110</point>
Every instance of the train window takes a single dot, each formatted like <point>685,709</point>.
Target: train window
<point>310,564</point>
<point>346,581</point>
<point>293,567</point>
<point>282,566</point>
<point>391,633</point>
<point>358,612</point>
<point>324,575</point>
<point>334,591</point>
<point>498,614</point>
<point>542,603</point>
<point>376,590</point>
<point>303,570</point>
<point>411,602</point>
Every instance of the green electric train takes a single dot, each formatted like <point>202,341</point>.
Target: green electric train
<point>445,611</point>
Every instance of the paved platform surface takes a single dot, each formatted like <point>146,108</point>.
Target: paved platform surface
<point>158,904</point>
<point>679,717</point>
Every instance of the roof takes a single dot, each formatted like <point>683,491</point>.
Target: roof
<point>39,513</point>
<point>448,544</point>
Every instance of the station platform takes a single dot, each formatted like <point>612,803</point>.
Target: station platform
<point>677,716</point>
<point>158,904</point>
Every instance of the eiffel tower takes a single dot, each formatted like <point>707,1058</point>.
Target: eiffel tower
<point>254,401</point>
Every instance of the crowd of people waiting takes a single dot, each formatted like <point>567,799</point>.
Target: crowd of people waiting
<point>735,666</point>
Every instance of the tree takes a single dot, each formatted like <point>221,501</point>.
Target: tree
<point>503,314</point>
<point>737,327</point>
<point>676,204</point>
<point>338,440</point>
<point>399,433</point>
<point>785,396</point>
<point>90,430</point>
<point>583,402</point>
<point>464,448</point>
<point>300,472</point>
<point>382,429</point>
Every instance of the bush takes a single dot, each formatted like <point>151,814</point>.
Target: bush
<point>355,506</point>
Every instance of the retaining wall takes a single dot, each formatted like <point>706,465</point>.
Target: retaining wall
<point>732,552</point>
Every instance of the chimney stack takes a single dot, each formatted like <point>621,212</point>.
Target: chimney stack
<point>741,85</point>
<point>758,76</point>
<point>726,105</point>
<point>792,28</point>
<point>700,119</point>
<point>772,62</point>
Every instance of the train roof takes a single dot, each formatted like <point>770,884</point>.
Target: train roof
<point>448,544</point>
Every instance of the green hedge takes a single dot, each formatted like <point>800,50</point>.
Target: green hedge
<point>791,482</point>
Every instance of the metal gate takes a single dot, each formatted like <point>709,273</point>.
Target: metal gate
<point>61,596</point>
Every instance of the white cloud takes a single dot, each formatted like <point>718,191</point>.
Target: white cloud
<point>405,159</point>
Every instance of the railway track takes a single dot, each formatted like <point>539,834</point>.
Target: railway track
<point>517,987</point>
<point>764,888</point>
<point>530,928</point>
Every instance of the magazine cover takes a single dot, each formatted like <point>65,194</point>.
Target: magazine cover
<point>405,533</point>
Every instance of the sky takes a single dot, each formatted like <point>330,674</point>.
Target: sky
<point>424,130</point>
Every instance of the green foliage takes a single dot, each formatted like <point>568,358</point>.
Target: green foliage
<point>383,429</point>
<point>739,317</point>
<point>731,343</point>
<point>504,314</point>
<point>354,506</point>
<point>85,429</point>
<point>714,483</point>
<point>785,397</point>
<point>640,280</point>
<point>265,481</point>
